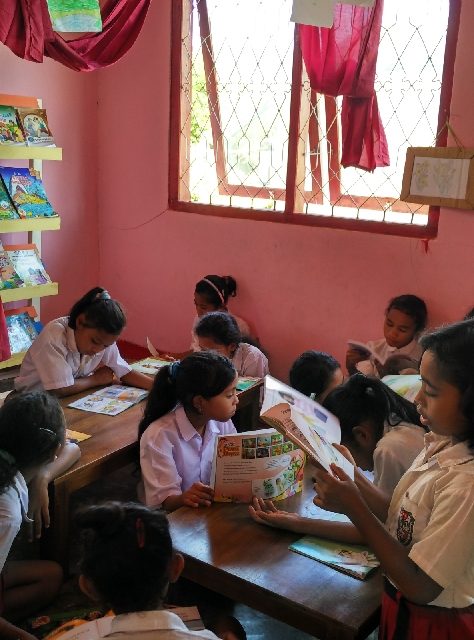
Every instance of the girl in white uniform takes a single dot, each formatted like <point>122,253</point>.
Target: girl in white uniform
<point>78,352</point>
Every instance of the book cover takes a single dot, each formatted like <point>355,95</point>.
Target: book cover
<point>27,263</point>
<point>256,463</point>
<point>355,560</point>
<point>406,386</point>
<point>150,366</point>
<point>110,400</point>
<point>246,382</point>
<point>34,123</point>
<point>21,328</point>
<point>76,16</point>
<point>10,132</point>
<point>7,209</point>
<point>9,278</point>
<point>305,422</point>
<point>27,193</point>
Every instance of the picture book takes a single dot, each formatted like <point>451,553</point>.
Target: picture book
<point>34,123</point>
<point>355,560</point>
<point>150,366</point>
<point>246,382</point>
<point>76,16</point>
<point>22,329</point>
<point>305,422</point>
<point>10,132</point>
<point>260,463</point>
<point>27,263</point>
<point>27,193</point>
<point>7,209</point>
<point>9,278</point>
<point>110,400</point>
<point>406,386</point>
<point>364,349</point>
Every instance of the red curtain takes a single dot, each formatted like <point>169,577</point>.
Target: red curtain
<point>341,61</point>
<point>4,342</point>
<point>25,28</point>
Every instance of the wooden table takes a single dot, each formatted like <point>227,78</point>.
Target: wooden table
<point>112,445</point>
<point>226,551</point>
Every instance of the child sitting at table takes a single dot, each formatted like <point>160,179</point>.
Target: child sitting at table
<point>315,374</point>
<point>218,331</point>
<point>191,402</point>
<point>405,319</point>
<point>127,564</point>
<point>78,352</point>
<point>32,451</point>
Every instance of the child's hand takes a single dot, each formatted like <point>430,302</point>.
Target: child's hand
<point>265,512</point>
<point>336,492</point>
<point>199,495</point>
<point>353,356</point>
<point>104,375</point>
<point>345,452</point>
<point>38,506</point>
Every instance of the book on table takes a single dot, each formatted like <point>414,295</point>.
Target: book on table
<point>34,124</point>
<point>305,422</point>
<point>110,400</point>
<point>27,263</point>
<point>150,366</point>
<point>10,131</point>
<point>259,463</point>
<point>27,193</point>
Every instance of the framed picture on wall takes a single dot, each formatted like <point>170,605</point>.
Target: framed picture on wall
<point>442,176</point>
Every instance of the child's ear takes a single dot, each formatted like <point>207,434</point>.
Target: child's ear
<point>197,404</point>
<point>176,567</point>
<point>362,435</point>
<point>88,589</point>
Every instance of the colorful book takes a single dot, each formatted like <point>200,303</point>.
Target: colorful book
<point>259,463</point>
<point>150,366</point>
<point>10,132</point>
<point>7,208</point>
<point>22,328</point>
<point>355,560</point>
<point>9,278</point>
<point>34,123</point>
<point>110,400</point>
<point>27,193</point>
<point>305,422</point>
<point>27,263</point>
<point>407,385</point>
<point>77,16</point>
<point>246,382</point>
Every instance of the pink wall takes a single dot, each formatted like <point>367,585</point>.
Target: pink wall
<point>71,254</point>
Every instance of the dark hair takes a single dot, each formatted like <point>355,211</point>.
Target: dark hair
<point>362,399</point>
<point>126,554</point>
<point>100,312</point>
<point>413,306</point>
<point>453,348</point>
<point>312,371</point>
<point>204,373</point>
<point>32,426</point>
<point>226,285</point>
<point>220,327</point>
<point>469,315</point>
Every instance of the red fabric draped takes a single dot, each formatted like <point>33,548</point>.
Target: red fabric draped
<point>341,61</point>
<point>25,28</point>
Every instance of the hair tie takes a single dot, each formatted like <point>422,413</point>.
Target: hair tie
<point>7,457</point>
<point>140,530</point>
<point>216,289</point>
<point>103,295</point>
<point>173,370</point>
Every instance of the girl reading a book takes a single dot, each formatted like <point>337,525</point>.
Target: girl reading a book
<point>425,546</point>
<point>218,331</point>
<point>32,431</point>
<point>191,402</point>
<point>398,351</point>
<point>78,352</point>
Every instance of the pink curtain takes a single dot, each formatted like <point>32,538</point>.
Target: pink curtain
<point>25,28</point>
<point>341,61</point>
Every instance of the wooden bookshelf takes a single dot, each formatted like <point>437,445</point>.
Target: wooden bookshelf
<point>28,293</point>
<point>13,152</point>
<point>14,361</point>
<point>30,224</point>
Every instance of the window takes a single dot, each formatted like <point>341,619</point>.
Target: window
<point>250,138</point>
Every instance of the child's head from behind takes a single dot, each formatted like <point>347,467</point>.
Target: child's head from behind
<point>204,383</point>
<point>212,293</point>
<point>97,320</point>
<point>127,560</point>
<point>446,398</point>
<point>218,331</point>
<point>405,318</point>
<point>315,372</point>
<point>364,406</point>
<point>32,429</point>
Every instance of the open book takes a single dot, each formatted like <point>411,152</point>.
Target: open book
<point>364,349</point>
<point>305,422</point>
<point>110,400</point>
<point>407,385</point>
<point>259,463</point>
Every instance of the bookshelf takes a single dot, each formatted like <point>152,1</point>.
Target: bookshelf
<point>32,226</point>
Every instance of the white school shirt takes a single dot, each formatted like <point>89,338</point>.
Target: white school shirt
<point>395,452</point>
<point>243,328</point>
<point>411,350</point>
<point>13,510</point>
<point>173,456</point>
<point>145,625</point>
<point>53,360</point>
<point>250,361</point>
<point>432,514</point>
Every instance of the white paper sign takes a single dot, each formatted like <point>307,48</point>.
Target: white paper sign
<point>319,13</point>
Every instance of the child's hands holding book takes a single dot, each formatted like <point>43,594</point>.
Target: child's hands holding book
<point>198,495</point>
<point>336,492</point>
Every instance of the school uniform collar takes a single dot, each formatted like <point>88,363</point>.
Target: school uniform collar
<point>447,452</point>
<point>141,621</point>
<point>186,429</point>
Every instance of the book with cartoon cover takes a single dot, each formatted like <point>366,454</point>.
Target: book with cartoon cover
<point>9,278</point>
<point>27,193</point>
<point>27,263</point>
<point>10,132</point>
<point>7,209</point>
<point>34,123</point>
<point>305,422</point>
<point>259,463</point>
<point>110,400</point>
<point>22,329</point>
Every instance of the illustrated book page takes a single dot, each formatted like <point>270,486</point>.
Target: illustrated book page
<point>27,263</point>
<point>27,193</point>
<point>110,400</point>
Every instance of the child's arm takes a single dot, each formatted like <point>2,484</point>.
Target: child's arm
<point>10,631</point>
<point>101,376</point>
<point>338,493</point>
<point>38,497</point>
<point>198,495</point>
<point>137,379</point>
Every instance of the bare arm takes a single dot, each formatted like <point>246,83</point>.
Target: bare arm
<point>198,495</point>
<point>137,379</point>
<point>100,377</point>
<point>377,501</point>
